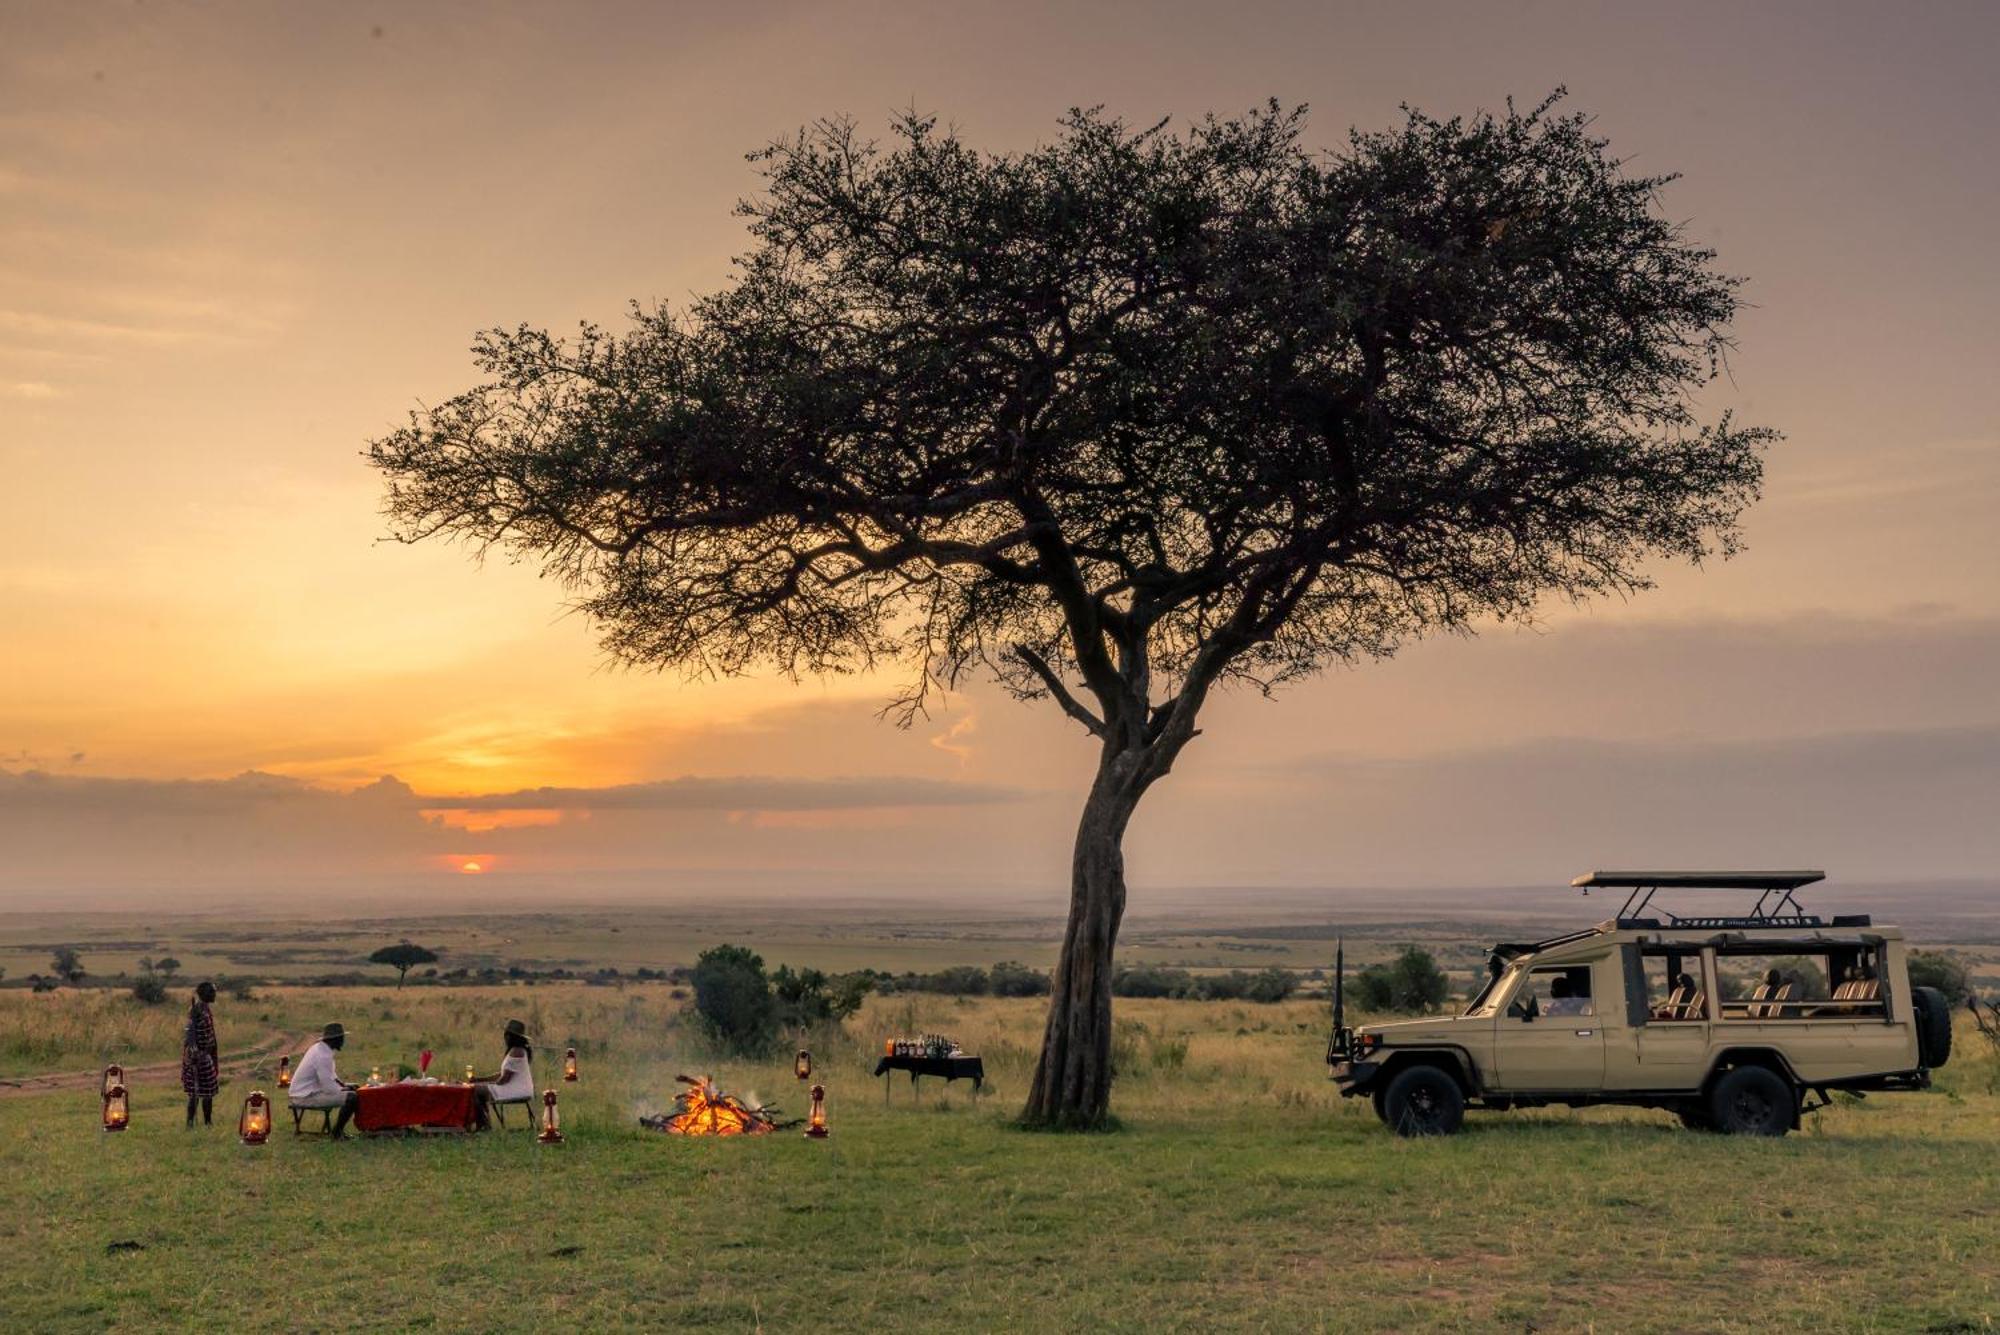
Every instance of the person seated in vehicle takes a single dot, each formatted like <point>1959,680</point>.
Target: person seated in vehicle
<point>514,1082</point>
<point>1685,1003</point>
<point>317,1085</point>
<point>1563,998</point>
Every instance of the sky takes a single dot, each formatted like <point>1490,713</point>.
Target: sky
<point>239,241</point>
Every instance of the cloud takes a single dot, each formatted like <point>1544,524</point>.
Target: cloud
<point>31,389</point>
<point>1888,805</point>
<point>740,794</point>
<point>74,840</point>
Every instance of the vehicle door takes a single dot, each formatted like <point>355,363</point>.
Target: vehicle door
<point>1672,1038</point>
<point>1549,1037</point>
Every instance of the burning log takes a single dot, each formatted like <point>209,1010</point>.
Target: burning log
<point>705,1110</point>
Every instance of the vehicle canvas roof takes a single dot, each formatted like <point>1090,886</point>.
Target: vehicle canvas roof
<point>1698,880</point>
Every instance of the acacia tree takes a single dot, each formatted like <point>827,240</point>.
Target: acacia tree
<point>402,957</point>
<point>1117,421</point>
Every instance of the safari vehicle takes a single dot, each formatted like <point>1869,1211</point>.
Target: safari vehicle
<point>1729,1022</point>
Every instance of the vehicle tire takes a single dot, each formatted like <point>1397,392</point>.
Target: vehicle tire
<point>1694,1116</point>
<point>1423,1101</point>
<point>1933,1027</point>
<point>1379,1099</point>
<point>1753,1101</point>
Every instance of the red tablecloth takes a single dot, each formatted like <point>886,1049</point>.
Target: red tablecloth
<point>386,1107</point>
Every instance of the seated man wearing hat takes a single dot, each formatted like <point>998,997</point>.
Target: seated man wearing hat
<point>514,1082</point>
<point>317,1085</point>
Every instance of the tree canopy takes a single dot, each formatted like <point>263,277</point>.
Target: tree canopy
<point>403,957</point>
<point>1115,420</point>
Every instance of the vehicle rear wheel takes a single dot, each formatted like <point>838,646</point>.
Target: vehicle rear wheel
<point>1753,1101</point>
<point>1933,1026</point>
<point>1423,1101</point>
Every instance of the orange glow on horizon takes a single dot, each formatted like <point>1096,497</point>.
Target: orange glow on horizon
<point>472,821</point>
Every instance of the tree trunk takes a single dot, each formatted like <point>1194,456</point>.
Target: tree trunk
<point>1072,1085</point>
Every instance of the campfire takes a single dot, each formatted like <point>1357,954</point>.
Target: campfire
<point>705,1110</point>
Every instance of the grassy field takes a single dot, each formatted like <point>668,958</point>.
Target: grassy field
<point>1240,1193</point>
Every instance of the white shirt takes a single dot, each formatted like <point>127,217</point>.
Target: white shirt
<point>316,1081</point>
<point>516,1080</point>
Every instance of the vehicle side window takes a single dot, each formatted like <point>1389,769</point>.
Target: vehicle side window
<point>1557,990</point>
<point>1837,983</point>
<point>1673,985</point>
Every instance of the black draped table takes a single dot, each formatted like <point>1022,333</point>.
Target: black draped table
<point>950,1068</point>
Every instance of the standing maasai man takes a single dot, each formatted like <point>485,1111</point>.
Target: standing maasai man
<point>201,1072</point>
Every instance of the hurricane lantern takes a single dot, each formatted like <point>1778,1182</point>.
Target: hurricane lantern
<point>117,1109</point>
<point>285,1071</point>
<point>374,1075</point>
<point>254,1125</point>
<point>569,1064</point>
<point>802,1065</point>
<point>114,1074</point>
<point>468,1073</point>
<point>551,1120</point>
<point>816,1120</point>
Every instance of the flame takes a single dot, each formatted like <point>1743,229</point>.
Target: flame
<point>706,1111</point>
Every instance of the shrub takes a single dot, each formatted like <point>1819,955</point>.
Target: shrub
<point>1411,983</point>
<point>1151,980</point>
<point>734,999</point>
<point>1943,970</point>
<point>1270,985</point>
<point>148,989</point>
<point>808,998</point>
<point>239,989</point>
<point>1009,979</point>
<point>960,980</point>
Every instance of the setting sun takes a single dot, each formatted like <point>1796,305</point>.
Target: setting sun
<point>471,868</point>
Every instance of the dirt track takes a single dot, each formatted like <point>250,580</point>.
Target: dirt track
<point>235,1062</point>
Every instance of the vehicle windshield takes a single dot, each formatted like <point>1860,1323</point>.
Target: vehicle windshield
<point>1488,996</point>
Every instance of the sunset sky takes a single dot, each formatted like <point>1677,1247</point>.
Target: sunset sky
<point>236,242</point>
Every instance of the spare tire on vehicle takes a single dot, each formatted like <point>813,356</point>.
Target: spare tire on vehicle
<point>1933,1027</point>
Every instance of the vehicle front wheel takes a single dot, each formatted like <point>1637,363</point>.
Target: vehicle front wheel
<point>1753,1101</point>
<point>1423,1101</point>
<point>1379,1099</point>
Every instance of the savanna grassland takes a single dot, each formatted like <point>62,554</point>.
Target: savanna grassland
<point>1239,1193</point>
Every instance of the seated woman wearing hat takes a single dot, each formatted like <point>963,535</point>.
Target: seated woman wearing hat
<point>514,1082</point>
<point>317,1085</point>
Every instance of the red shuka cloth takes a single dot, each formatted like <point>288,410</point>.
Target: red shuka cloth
<point>386,1107</point>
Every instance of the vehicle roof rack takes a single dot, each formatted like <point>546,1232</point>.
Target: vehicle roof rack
<point>1776,904</point>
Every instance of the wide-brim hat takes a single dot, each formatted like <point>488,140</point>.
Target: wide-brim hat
<point>515,1029</point>
<point>333,1031</point>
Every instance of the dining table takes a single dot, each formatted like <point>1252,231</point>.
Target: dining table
<point>410,1105</point>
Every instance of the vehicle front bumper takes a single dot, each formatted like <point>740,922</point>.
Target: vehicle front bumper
<point>1354,1077</point>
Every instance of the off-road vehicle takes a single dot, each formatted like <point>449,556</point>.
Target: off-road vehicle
<point>1726,1021</point>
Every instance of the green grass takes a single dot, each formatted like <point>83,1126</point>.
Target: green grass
<point>1241,1193</point>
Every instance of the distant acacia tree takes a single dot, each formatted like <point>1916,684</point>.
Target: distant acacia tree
<point>67,965</point>
<point>403,957</point>
<point>1117,420</point>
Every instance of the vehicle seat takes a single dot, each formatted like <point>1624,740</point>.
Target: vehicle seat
<point>1774,1009</point>
<point>1670,1008</point>
<point>1758,995</point>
